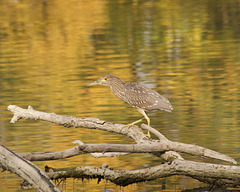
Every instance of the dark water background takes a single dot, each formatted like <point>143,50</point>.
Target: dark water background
<point>188,51</point>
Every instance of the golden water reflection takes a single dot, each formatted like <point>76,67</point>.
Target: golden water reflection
<point>51,50</point>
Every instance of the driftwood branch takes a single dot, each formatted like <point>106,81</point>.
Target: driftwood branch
<point>206,172</point>
<point>164,148</point>
<point>27,170</point>
<point>154,146</point>
<point>70,121</point>
<point>161,145</point>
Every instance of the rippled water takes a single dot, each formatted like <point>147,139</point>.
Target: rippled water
<point>187,51</point>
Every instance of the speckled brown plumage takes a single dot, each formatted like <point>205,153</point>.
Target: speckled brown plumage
<point>137,95</point>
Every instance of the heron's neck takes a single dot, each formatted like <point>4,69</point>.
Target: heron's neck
<point>118,88</point>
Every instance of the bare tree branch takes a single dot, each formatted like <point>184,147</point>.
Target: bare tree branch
<point>154,146</point>
<point>70,121</point>
<point>161,145</point>
<point>160,136</point>
<point>207,172</point>
<point>166,149</point>
<point>46,156</point>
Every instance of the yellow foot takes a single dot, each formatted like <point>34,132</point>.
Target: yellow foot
<point>132,124</point>
<point>148,135</point>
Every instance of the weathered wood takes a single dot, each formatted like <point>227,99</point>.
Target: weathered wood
<point>46,156</point>
<point>175,165</point>
<point>70,121</point>
<point>207,172</point>
<point>27,170</point>
<point>161,145</point>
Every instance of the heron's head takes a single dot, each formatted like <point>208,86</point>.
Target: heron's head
<point>106,80</point>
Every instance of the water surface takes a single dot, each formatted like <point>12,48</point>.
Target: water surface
<point>187,51</point>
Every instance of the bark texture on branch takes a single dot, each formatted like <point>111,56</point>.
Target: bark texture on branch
<point>161,145</point>
<point>206,172</point>
<point>164,148</point>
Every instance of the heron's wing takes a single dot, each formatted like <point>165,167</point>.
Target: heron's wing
<point>140,96</point>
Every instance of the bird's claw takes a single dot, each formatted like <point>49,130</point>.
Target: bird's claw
<point>132,124</point>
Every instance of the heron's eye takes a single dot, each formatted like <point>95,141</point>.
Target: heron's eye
<point>105,78</point>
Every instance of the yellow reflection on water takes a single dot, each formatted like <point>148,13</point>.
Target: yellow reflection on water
<point>51,50</point>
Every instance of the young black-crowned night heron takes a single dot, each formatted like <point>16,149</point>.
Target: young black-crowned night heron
<point>138,96</point>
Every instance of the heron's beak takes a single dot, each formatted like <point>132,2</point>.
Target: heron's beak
<point>95,83</point>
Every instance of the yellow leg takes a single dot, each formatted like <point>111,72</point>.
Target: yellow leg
<point>147,118</point>
<point>135,122</point>
<point>148,134</point>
